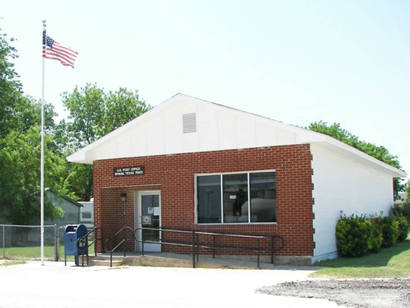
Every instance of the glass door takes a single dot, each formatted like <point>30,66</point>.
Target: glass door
<point>148,209</point>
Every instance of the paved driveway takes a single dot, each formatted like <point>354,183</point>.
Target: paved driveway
<point>53,285</point>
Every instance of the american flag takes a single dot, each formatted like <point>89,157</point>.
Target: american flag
<point>55,51</point>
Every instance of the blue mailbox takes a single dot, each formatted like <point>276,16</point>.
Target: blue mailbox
<point>75,242</point>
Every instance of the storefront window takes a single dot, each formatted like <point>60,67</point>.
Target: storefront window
<point>233,205</point>
<point>209,199</point>
<point>263,197</point>
<point>235,197</point>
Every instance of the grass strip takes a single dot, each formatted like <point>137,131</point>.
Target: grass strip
<point>33,252</point>
<point>392,262</point>
<point>13,262</point>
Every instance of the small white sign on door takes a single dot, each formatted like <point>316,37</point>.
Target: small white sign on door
<point>146,220</point>
<point>150,210</point>
<point>156,211</point>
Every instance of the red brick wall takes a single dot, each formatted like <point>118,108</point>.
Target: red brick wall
<point>173,175</point>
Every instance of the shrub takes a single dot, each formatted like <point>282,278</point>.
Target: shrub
<point>352,235</point>
<point>406,211</point>
<point>390,228</point>
<point>403,228</point>
<point>397,210</point>
<point>401,210</point>
<point>357,235</point>
<point>375,240</point>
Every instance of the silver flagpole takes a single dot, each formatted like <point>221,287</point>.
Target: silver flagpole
<point>42,150</point>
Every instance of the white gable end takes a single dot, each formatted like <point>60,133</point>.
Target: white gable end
<point>212,127</point>
<point>160,131</point>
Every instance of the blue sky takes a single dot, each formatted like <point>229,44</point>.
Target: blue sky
<point>294,61</point>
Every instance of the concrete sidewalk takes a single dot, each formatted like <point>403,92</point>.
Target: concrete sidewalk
<point>203,261</point>
<point>53,285</point>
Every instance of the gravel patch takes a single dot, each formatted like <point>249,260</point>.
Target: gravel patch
<point>349,293</point>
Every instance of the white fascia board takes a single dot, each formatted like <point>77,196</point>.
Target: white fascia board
<point>78,157</point>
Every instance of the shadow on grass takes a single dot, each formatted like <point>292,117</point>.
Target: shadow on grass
<point>381,258</point>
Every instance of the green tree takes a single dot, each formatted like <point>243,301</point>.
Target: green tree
<point>92,113</point>
<point>10,86</point>
<point>17,112</point>
<point>20,144</point>
<point>378,152</point>
<point>19,176</point>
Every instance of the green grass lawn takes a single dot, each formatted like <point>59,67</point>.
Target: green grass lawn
<point>393,262</point>
<point>29,252</point>
<point>33,252</point>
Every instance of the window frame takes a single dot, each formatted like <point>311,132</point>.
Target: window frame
<point>86,218</point>
<point>221,174</point>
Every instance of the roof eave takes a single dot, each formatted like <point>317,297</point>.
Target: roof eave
<point>395,172</point>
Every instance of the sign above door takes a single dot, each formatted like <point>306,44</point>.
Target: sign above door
<point>126,171</point>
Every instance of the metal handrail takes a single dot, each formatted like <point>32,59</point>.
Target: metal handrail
<point>116,247</point>
<point>93,230</point>
<point>195,244</point>
<point>90,243</point>
<point>97,239</point>
<point>122,241</point>
<point>116,234</point>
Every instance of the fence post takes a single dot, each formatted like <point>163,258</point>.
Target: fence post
<point>271,250</point>
<point>197,250</point>
<point>56,244</point>
<point>259,247</point>
<point>99,239</point>
<point>4,242</point>
<point>102,240</point>
<point>213,246</point>
<point>142,240</point>
<point>193,248</point>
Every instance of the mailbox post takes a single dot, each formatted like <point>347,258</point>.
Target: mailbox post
<point>75,242</point>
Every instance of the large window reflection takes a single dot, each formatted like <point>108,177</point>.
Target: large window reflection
<point>263,197</point>
<point>235,197</point>
<point>240,192</point>
<point>209,199</point>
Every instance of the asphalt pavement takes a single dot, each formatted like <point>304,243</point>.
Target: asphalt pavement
<point>54,285</point>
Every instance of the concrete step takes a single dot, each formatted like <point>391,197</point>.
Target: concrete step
<point>106,257</point>
<point>161,261</point>
<point>105,261</point>
<point>176,260</point>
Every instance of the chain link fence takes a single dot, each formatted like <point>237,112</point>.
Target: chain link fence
<point>23,242</point>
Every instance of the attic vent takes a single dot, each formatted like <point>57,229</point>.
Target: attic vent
<point>189,123</point>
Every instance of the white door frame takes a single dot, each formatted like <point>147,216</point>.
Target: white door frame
<point>138,222</point>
